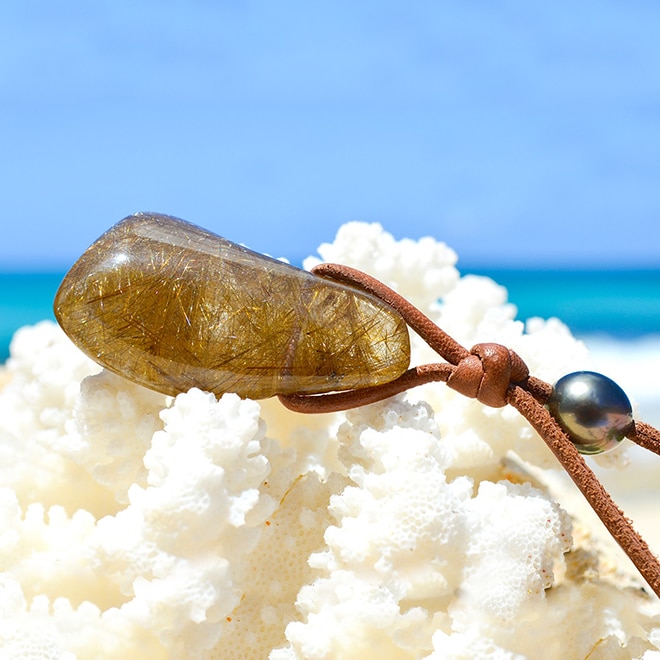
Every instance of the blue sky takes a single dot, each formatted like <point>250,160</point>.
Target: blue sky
<point>519,133</point>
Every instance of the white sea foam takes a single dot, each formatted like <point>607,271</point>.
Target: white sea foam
<point>635,366</point>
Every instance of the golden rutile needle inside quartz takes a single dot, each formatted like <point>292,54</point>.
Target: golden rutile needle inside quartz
<point>171,306</point>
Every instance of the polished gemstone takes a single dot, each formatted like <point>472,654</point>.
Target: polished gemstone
<point>592,409</point>
<point>172,306</point>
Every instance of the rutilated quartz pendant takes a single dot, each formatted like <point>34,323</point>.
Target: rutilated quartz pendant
<point>172,306</point>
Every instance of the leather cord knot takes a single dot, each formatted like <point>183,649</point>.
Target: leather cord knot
<point>486,373</point>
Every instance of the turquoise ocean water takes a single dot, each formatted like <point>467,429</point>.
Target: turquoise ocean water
<point>25,298</point>
<point>622,304</point>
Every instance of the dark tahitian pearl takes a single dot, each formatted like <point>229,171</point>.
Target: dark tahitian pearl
<point>593,410</point>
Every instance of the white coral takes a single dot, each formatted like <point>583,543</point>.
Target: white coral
<point>136,525</point>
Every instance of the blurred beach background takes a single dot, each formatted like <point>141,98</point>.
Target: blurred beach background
<point>525,136</point>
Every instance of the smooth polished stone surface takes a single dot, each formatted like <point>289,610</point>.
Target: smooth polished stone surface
<point>172,306</point>
<point>592,409</point>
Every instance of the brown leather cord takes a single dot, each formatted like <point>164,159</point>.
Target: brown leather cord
<point>645,436</point>
<point>496,376</point>
<point>434,336</point>
<point>336,401</point>
<point>612,517</point>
